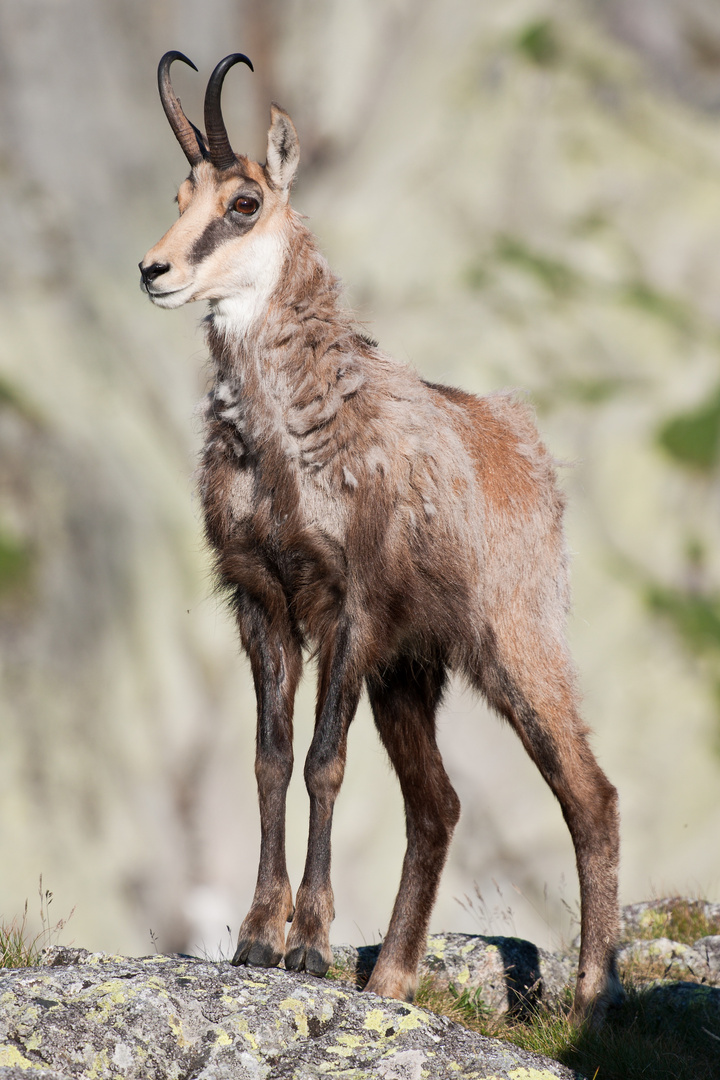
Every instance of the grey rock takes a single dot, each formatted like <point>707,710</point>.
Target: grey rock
<point>168,1018</point>
<point>676,997</point>
<point>670,959</point>
<point>709,950</point>
<point>17,1073</point>
<point>508,974</point>
<point>650,917</point>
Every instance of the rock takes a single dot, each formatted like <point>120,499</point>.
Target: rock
<point>676,997</point>
<point>666,959</point>
<point>88,1014</point>
<point>709,950</point>
<point>509,973</point>
<point>512,973</point>
<point>20,1073</point>
<point>650,918</point>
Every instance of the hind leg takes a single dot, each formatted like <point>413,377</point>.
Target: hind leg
<point>404,702</point>
<point>542,709</point>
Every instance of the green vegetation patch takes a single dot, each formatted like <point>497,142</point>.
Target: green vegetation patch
<point>12,398</point>
<point>661,305</point>
<point>539,42</point>
<point>694,616</point>
<point>693,438</point>
<point>685,921</point>
<point>644,1037</point>
<point>18,948</point>
<point>556,276</point>
<point>15,564</point>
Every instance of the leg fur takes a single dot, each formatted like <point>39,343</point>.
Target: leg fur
<point>544,714</point>
<point>308,944</point>
<point>404,702</point>
<point>276,664</point>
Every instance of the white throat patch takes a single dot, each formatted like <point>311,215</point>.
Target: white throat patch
<point>254,279</point>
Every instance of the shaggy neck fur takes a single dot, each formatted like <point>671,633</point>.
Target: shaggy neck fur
<point>285,361</point>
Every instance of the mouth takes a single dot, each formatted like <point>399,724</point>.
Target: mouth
<point>166,298</point>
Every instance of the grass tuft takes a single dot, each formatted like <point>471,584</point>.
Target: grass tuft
<point>644,1037</point>
<point>679,919</point>
<point>18,947</point>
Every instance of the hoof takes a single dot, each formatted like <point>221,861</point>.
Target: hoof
<point>398,985</point>
<point>311,960</point>
<point>256,954</point>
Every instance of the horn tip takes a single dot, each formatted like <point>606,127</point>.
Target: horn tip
<point>175,54</point>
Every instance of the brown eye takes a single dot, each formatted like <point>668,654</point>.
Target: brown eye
<point>245,205</point>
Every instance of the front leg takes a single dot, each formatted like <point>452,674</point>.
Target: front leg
<point>308,945</point>
<point>276,662</point>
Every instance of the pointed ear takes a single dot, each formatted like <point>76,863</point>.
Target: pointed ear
<point>283,150</point>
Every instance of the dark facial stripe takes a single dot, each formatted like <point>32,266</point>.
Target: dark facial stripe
<point>218,232</point>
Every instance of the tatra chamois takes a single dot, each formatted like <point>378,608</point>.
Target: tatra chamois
<point>399,528</point>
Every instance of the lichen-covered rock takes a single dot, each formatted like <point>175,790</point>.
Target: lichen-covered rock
<point>508,973</point>
<point>666,959</point>
<point>709,950</point>
<point>511,972</point>
<point>20,1072</point>
<point>169,1018</point>
<point>651,918</point>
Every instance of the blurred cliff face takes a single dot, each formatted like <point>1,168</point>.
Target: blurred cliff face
<point>516,194</point>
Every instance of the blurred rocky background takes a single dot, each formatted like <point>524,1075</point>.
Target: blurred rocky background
<point>518,194</point>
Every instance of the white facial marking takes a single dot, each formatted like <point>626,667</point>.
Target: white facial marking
<point>251,276</point>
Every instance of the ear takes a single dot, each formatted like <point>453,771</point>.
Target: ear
<point>283,150</point>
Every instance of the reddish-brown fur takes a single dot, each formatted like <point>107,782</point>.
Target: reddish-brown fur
<point>399,528</point>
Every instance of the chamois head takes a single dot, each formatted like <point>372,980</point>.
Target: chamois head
<point>228,241</point>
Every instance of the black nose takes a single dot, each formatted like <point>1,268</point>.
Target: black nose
<point>149,273</point>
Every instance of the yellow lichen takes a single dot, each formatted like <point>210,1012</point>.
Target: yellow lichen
<point>414,1019</point>
<point>340,1050</point>
<point>298,1009</point>
<point>532,1074</point>
<point>350,1040</point>
<point>110,994</point>
<point>223,1039</point>
<point>10,1055</point>
<point>34,1040</point>
<point>376,1020</point>
<point>437,947</point>
<point>27,1020</point>
<point>177,1029</point>
<point>380,1021</point>
<point>101,1065</point>
<point>244,1029</point>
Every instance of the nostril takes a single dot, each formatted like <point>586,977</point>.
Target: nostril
<point>149,273</point>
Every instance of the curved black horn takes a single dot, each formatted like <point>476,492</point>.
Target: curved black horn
<point>221,152</point>
<point>186,133</point>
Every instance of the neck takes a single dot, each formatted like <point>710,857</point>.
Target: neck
<point>277,369</point>
<point>288,301</point>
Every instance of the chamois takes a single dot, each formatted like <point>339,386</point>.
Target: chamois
<point>401,528</point>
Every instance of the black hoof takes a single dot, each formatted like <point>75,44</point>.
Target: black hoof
<point>310,960</point>
<point>316,963</point>
<point>256,954</point>
<point>295,959</point>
